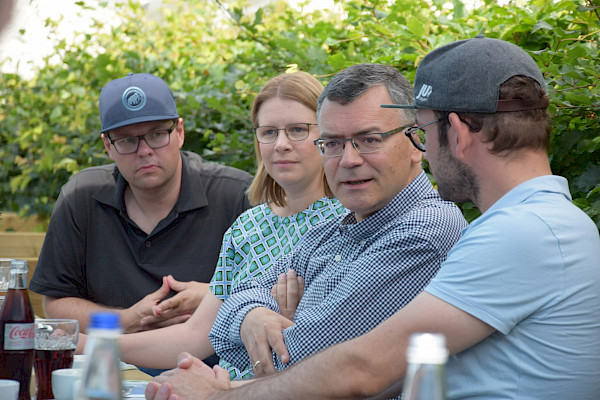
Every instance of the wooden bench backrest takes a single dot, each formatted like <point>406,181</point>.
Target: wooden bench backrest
<point>26,246</point>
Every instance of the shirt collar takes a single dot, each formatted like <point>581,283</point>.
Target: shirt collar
<point>400,204</point>
<point>518,194</point>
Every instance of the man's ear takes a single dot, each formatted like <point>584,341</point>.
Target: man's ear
<point>416,155</point>
<point>107,145</point>
<point>460,136</point>
<point>180,132</point>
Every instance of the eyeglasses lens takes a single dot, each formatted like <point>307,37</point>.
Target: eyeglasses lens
<point>294,132</point>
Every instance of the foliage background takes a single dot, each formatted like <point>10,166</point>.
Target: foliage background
<point>216,56</point>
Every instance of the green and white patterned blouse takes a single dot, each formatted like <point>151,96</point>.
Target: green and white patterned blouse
<point>259,237</point>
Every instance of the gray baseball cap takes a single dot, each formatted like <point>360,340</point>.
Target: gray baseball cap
<point>465,76</point>
<point>135,98</point>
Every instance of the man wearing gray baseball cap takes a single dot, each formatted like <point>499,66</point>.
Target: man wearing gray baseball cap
<point>518,298</point>
<point>125,236</point>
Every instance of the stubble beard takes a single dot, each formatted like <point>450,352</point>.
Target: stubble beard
<point>457,182</point>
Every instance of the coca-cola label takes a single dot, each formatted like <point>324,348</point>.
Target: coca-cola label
<point>19,336</point>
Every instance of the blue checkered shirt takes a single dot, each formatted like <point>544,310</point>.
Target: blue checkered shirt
<point>357,275</point>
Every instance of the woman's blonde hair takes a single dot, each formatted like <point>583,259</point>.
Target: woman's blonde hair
<point>297,86</point>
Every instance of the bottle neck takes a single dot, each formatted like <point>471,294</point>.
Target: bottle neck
<point>425,382</point>
<point>18,280</point>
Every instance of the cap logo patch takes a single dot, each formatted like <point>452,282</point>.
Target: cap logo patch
<point>424,93</point>
<point>133,98</point>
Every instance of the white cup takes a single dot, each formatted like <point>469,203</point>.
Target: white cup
<point>9,389</point>
<point>63,381</point>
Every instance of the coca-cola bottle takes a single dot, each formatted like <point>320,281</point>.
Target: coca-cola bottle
<point>17,330</point>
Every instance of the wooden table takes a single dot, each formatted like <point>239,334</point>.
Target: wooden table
<point>135,375</point>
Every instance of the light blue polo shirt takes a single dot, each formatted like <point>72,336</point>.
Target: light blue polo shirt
<point>530,268</point>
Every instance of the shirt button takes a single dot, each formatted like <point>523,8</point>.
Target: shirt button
<point>148,243</point>
<point>337,257</point>
<point>362,242</point>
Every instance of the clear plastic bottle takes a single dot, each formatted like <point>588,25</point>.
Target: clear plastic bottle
<point>426,377</point>
<point>102,376</point>
<point>17,330</point>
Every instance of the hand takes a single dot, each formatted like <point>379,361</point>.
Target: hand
<point>261,332</point>
<point>288,291</point>
<point>185,302</point>
<point>131,318</point>
<point>191,379</point>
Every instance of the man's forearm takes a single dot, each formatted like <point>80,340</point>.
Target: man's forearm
<point>72,307</point>
<point>340,372</point>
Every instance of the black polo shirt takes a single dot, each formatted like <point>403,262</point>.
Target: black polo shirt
<point>94,251</point>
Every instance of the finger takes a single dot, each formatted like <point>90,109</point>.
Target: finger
<point>261,351</point>
<point>164,393</point>
<point>274,291</point>
<point>255,353</point>
<point>176,285</point>
<point>278,345</point>
<point>292,289</point>
<point>184,360</point>
<point>151,390</point>
<point>281,291</point>
<point>168,304</point>
<point>301,285</point>
<point>266,366</point>
<point>162,291</point>
<point>156,311</point>
<point>257,368</point>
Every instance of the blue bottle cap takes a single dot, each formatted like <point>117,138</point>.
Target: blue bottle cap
<point>105,320</point>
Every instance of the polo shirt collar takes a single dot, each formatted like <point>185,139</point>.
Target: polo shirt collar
<point>518,194</point>
<point>192,194</point>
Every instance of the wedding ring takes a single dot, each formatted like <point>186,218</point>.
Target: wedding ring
<point>256,364</point>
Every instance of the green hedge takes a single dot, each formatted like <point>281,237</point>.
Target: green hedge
<point>216,57</point>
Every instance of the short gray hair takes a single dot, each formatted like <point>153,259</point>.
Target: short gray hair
<point>350,83</point>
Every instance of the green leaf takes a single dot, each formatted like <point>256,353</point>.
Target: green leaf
<point>258,16</point>
<point>417,28</point>
<point>337,61</point>
<point>541,25</point>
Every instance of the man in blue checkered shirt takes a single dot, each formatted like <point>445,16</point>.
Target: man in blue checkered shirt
<point>361,268</point>
<point>358,269</point>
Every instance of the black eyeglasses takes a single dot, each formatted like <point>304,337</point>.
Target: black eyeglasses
<point>416,134</point>
<point>364,143</point>
<point>295,132</point>
<point>154,140</point>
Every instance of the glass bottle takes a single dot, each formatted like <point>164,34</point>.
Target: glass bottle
<point>102,376</point>
<point>425,376</point>
<point>17,330</point>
